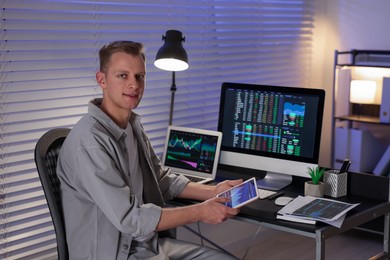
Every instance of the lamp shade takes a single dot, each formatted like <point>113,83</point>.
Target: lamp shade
<point>362,91</point>
<point>172,56</point>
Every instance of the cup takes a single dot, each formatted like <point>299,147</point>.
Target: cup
<point>335,183</point>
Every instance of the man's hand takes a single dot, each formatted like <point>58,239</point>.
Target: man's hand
<point>225,185</point>
<point>213,211</point>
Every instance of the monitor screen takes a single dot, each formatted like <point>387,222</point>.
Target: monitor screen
<point>274,129</point>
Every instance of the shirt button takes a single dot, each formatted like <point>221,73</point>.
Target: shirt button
<point>125,247</point>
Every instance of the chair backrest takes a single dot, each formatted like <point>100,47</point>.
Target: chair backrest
<point>46,154</point>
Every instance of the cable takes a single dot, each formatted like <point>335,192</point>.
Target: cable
<point>251,243</point>
<point>208,240</point>
<point>200,234</point>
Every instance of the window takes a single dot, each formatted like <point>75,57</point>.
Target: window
<point>49,58</point>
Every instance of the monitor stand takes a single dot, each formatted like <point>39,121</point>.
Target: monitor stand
<point>274,181</point>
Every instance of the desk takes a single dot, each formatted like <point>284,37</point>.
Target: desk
<point>372,192</point>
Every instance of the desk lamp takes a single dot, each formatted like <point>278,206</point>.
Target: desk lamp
<point>172,57</point>
<point>362,92</point>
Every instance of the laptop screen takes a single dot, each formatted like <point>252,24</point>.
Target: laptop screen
<point>191,150</point>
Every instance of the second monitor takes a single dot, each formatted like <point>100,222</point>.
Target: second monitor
<point>275,129</point>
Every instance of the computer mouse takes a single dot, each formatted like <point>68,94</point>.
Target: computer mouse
<point>282,201</point>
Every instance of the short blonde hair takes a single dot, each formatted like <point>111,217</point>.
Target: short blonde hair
<point>129,47</point>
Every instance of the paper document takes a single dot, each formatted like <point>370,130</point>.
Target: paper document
<point>311,208</point>
<point>293,219</point>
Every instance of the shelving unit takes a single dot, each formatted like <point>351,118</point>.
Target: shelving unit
<point>361,119</point>
<point>349,128</point>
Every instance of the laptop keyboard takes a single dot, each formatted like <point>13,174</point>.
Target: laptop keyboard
<point>194,179</point>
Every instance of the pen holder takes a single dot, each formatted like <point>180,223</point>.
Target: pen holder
<point>335,183</point>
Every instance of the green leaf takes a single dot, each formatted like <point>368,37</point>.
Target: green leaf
<point>316,174</point>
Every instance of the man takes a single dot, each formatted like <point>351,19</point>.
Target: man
<point>112,183</point>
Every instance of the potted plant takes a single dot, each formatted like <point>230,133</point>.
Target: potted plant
<point>315,187</point>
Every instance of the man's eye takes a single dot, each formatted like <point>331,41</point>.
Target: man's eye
<point>140,77</point>
<point>122,76</point>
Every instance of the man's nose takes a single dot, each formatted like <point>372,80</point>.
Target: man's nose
<point>132,82</point>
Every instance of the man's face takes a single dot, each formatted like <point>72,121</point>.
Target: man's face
<point>123,83</point>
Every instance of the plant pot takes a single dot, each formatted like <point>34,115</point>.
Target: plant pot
<point>315,190</point>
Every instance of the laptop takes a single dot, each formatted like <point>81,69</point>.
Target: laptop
<point>192,152</point>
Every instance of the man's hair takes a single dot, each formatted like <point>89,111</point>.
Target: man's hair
<point>129,47</point>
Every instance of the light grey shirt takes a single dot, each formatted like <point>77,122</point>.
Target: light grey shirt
<point>135,171</point>
<point>102,214</point>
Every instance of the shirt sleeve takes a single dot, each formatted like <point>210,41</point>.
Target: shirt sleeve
<point>100,180</point>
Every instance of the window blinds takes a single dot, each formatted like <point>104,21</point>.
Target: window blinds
<point>49,58</point>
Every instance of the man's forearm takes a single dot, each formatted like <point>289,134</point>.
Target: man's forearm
<point>175,217</point>
<point>198,191</point>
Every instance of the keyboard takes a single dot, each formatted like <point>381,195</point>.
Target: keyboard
<point>194,179</point>
<point>263,194</point>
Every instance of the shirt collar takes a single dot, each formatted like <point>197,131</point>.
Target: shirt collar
<point>95,111</point>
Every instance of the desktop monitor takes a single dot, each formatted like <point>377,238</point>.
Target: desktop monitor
<point>273,129</point>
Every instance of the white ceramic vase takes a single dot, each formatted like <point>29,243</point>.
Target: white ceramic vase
<point>314,190</point>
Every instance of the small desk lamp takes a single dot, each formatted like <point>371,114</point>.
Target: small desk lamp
<point>172,57</point>
<point>362,92</point>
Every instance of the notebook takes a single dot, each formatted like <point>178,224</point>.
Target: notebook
<point>192,152</point>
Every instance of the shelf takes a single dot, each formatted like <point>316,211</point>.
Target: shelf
<point>358,133</point>
<point>364,58</point>
<point>361,119</point>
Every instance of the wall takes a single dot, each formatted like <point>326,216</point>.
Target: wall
<point>344,25</point>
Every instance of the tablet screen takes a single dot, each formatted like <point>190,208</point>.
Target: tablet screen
<point>241,194</point>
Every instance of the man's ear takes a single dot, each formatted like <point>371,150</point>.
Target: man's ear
<point>101,79</point>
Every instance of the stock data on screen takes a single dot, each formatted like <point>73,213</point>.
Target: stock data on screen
<point>270,122</point>
<point>191,151</point>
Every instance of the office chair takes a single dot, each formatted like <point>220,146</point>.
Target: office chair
<point>46,154</point>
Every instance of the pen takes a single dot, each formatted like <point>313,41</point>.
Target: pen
<point>349,164</point>
<point>345,166</point>
<point>274,196</point>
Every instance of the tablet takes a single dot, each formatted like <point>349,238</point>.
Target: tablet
<point>241,194</point>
